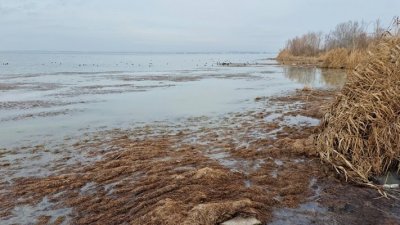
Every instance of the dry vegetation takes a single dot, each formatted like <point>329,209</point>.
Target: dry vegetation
<point>343,48</point>
<point>360,133</point>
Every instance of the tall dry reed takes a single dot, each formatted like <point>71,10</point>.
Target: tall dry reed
<point>360,133</point>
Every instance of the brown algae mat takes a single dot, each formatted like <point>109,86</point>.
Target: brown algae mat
<point>250,164</point>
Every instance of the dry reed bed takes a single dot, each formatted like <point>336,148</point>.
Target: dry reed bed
<point>342,58</point>
<point>339,58</point>
<point>286,58</point>
<point>360,134</point>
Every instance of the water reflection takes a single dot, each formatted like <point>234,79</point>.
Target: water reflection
<point>315,77</point>
<point>334,77</point>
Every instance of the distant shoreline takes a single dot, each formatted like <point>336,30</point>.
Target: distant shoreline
<point>130,52</point>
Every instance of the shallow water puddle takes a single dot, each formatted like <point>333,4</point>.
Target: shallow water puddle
<point>278,162</point>
<point>300,120</point>
<point>272,117</point>
<point>308,213</point>
<point>235,164</point>
<point>26,214</point>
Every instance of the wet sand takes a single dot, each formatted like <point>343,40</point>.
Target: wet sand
<point>201,170</point>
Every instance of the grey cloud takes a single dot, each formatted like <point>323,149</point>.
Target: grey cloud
<point>174,25</point>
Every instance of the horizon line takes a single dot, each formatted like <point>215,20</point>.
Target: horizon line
<point>136,52</point>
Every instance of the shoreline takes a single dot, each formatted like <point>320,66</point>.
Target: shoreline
<point>258,164</point>
<point>301,61</point>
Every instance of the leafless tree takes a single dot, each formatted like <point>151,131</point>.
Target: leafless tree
<point>349,35</point>
<point>306,45</point>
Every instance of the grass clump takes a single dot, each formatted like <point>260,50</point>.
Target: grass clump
<point>336,58</point>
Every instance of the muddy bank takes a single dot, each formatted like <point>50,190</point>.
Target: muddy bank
<point>204,170</point>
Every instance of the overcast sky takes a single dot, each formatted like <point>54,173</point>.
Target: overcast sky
<point>175,25</point>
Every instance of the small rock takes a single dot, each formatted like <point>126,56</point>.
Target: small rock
<point>258,99</point>
<point>242,221</point>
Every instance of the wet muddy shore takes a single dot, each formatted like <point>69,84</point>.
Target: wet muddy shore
<point>170,139</point>
<point>259,163</point>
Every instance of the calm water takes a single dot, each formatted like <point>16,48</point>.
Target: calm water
<point>47,96</point>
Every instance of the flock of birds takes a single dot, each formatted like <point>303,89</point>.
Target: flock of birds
<point>150,64</point>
